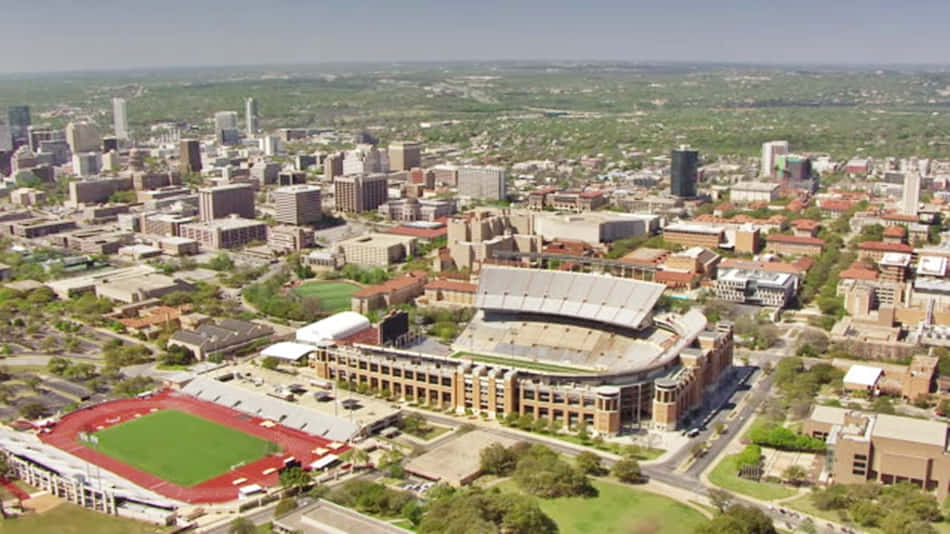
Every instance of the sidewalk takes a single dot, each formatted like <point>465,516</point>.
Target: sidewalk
<point>734,447</point>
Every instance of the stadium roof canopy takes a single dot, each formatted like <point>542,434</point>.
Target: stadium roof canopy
<point>618,301</point>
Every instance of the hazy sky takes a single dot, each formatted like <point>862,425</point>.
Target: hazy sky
<point>49,35</point>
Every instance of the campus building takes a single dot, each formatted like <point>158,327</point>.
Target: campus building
<point>882,448</point>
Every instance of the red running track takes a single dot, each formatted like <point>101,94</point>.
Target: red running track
<point>14,489</point>
<point>65,435</point>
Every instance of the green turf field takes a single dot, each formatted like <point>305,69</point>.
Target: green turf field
<point>334,296</point>
<point>179,447</point>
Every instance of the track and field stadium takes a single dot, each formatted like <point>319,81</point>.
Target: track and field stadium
<point>184,448</point>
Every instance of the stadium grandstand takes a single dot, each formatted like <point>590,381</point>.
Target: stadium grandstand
<point>70,478</point>
<point>289,415</point>
<point>558,345</point>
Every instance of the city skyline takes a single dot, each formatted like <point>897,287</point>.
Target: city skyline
<point>150,36</point>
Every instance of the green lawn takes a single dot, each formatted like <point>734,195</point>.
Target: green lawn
<point>179,447</point>
<point>524,364</point>
<point>617,509</point>
<point>725,475</point>
<point>69,518</point>
<point>334,296</point>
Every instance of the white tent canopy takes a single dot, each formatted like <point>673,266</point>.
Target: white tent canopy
<point>288,350</point>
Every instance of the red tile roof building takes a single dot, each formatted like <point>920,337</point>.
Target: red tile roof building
<point>389,293</point>
<point>794,245</point>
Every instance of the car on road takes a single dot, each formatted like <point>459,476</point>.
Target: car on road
<point>692,433</point>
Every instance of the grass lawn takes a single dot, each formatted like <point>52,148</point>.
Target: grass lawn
<point>432,432</point>
<point>524,364</point>
<point>644,455</point>
<point>617,509</point>
<point>334,296</point>
<point>69,518</point>
<point>180,447</point>
<point>725,476</point>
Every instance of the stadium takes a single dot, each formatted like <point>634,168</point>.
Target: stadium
<point>145,457</point>
<point>563,346</point>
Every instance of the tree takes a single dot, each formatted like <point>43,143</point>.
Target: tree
<point>589,463</point>
<point>242,525</point>
<point>720,498</point>
<point>901,523</point>
<point>285,506</point>
<point>739,519</point>
<point>542,473</point>
<point>57,365</point>
<point>178,355</point>
<point>627,470</point>
<point>582,432</point>
<point>356,456</point>
<point>33,410</point>
<point>496,459</point>
<point>795,474</point>
<point>294,478</point>
<point>270,362</point>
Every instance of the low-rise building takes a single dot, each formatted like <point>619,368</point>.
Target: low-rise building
<point>225,337</point>
<point>379,250</point>
<point>875,250</point>
<point>27,196</point>
<point>389,293</point>
<point>749,192</point>
<point>794,245</point>
<point>694,235</point>
<point>286,238</point>
<point>450,293</point>
<point>755,286</point>
<point>883,448</point>
<point>231,232</point>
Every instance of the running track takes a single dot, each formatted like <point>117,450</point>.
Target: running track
<point>302,446</point>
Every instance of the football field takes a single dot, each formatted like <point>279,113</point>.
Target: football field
<point>181,448</point>
<point>334,296</point>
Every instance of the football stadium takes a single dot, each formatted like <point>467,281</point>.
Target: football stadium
<point>564,346</point>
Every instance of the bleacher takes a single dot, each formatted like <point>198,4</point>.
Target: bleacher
<point>282,412</point>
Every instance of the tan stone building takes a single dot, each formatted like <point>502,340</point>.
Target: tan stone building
<point>794,245</point>
<point>378,250</point>
<point>882,448</point>
<point>694,235</point>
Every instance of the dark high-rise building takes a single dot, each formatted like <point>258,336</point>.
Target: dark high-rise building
<point>19,120</point>
<point>684,172</point>
<point>110,143</point>
<point>189,156</point>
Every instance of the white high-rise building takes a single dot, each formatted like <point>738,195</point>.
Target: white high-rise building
<point>487,183</point>
<point>120,119</point>
<point>910,202</point>
<point>365,159</point>
<point>270,145</point>
<point>250,116</point>
<point>87,163</point>
<point>770,152</point>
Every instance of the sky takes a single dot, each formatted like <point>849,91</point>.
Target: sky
<point>78,35</point>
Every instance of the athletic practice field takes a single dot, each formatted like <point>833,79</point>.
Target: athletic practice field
<point>334,296</point>
<point>179,447</point>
